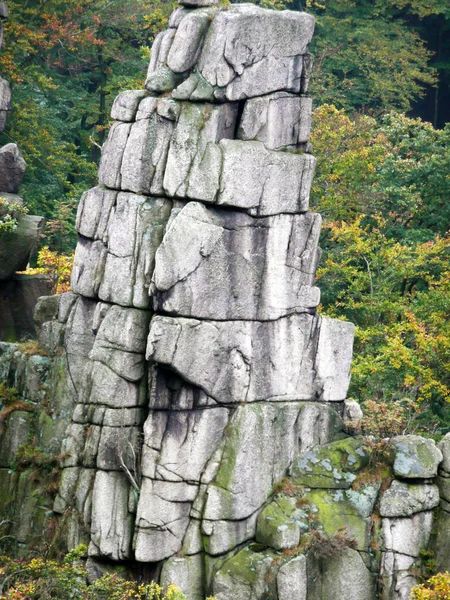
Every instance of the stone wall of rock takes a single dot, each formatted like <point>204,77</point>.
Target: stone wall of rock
<point>208,437</point>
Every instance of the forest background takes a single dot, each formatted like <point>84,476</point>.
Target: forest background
<point>381,90</point>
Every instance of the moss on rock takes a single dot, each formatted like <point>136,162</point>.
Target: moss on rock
<point>332,466</point>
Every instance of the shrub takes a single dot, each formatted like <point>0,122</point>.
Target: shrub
<point>8,395</point>
<point>57,266</point>
<point>9,213</point>
<point>40,579</point>
<point>436,588</point>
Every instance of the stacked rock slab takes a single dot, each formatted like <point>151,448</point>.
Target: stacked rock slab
<point>210,371</point>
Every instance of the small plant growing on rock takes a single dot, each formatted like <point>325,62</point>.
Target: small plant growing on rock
<point>8,395</point>
<point>10,401</point>
<point>32,348</point>
<point>322,545</point>
<point>9,214</point>
<point>383,421</point>
<point>56,266</point>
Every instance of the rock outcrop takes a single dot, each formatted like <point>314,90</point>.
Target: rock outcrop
<point>209,438</point>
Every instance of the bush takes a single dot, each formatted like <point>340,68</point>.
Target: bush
<point>41,579</point>
<point>9,213</point>
<point>436,588</point>
<point>56,266</point>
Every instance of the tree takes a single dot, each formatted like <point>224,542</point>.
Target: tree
<point>67,60</point>
<point>381,187</point>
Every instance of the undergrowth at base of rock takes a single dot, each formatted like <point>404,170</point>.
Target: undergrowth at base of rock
<point>39,579</point>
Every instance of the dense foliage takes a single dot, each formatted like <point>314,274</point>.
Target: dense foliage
<point>66,60</point>
<point>41,579</point>
<point>382,183</point>
<point>383,187</point>
<point>437,588</point>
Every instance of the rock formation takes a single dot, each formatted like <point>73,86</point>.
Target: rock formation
<point>209,436</point>
<point>18,294</point>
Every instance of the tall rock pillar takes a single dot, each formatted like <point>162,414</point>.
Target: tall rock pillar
<point>203,369</point>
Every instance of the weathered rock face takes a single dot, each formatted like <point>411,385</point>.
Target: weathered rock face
<point>12,168</point>
<point>17,246</point>
<point>207,437</point>
<point>5,102</point>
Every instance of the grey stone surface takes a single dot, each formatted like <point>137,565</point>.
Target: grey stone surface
<point>51,337</point>
<point>224,536</point>
<point>347,576</point>
<point>126,104</point>
<point>251,51</point>
<point>177,445</point>
<point>160,50</point>
<point>176,17</point>
<point>93,214</point>
<point>292,580</point>
<point>17,247</point>
<point>66,303</point>
<point>88,267</point>
<point>352,413</point>
<point>444,487</point>
<point>111,528</point>
<point>109,173</point>
<point>196,88</point>
<point>309,357</point>
<point>254,457</point>
<point>444,447</point>
<point>103,386</point>
<point>407,535</point>
<point>215,264</point>
<point>308,63</point>
<point>118,446</point>
<point>274,182</point>
<point>120,342</point>
<point>46,309</point>
<point>167,391</point>
<point>402,499</point>
<point>186,45</point>
<point>134,232</point>
<point>120,272</point>
<point>187,573</point>
<point>396,576</point>
<point>415,457</point>
<point>12,168</point>
<point>111,417</point>
<point>162,519</point>
<point>5,101</point>
<point>189,166</point>
<point>14,435</point>
<point>441,542</point>
<point>145,154</point>
<point>279,120</point>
